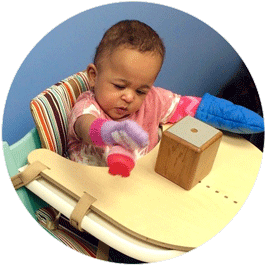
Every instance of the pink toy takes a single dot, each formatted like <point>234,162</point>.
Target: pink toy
<point>120,161</point>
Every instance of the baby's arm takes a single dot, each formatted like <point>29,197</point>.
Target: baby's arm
<point>124,137</point>
<point>228,116</point>
<point>102,132</point>
<point>187,105</point>
<point>219,113</point>
<point>82,127</point>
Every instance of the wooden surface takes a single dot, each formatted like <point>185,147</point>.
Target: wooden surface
<point>154,209</point>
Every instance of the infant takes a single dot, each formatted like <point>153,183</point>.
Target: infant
<point>116,121</point>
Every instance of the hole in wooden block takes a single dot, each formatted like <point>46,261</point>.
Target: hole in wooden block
<point>194,130</point>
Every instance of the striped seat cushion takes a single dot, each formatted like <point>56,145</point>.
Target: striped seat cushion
<point>50,110</point>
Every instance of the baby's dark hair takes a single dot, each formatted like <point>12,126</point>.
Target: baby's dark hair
<point>131,34</point>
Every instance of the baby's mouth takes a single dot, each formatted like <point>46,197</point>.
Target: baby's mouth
<point>122,110</point>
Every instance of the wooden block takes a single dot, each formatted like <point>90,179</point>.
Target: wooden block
<point>187,152</point>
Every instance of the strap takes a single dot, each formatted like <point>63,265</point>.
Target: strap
<point>48,217</point>
<point>102,251</point>
<point>54,223</point>
<point>31,172</point>
<point>81,210</point>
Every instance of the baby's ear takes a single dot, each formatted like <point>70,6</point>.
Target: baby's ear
<point>92,73</point>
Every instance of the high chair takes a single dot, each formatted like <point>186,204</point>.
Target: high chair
<point>50,111</point>
<point>143,216</point>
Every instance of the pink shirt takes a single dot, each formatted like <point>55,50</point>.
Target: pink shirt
<point>159,107</point>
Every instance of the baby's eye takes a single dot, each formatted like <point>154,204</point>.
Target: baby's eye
<point>140,92</point>
<point>119,86</point>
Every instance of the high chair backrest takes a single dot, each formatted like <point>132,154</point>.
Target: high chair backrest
<point>50,110</point>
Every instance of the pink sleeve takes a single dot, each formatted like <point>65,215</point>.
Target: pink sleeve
<point>187,105</point>
<point>83,105</point>
<point>171,107</point>
<point>164,102</point>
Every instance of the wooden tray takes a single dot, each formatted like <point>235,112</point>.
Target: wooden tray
<point>154,209</point>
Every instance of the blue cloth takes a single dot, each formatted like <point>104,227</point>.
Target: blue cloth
<point>225,115</point>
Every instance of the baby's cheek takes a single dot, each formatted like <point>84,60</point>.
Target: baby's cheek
<point>139,103</point>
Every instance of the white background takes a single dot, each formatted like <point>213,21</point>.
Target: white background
<point>25,23</point>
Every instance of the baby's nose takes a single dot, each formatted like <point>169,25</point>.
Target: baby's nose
<point>128,96</point>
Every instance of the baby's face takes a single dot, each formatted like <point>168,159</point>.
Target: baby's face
<point>122,83</point>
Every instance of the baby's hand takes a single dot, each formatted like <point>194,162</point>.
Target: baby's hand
<point>127,134</point>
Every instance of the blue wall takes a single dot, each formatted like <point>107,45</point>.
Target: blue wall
<point>197,60</point>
